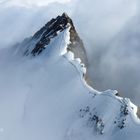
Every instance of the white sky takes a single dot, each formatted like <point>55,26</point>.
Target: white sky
<point>32,2</point>
<point>98,22</point>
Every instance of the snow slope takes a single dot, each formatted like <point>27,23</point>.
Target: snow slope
<point>47,98</point>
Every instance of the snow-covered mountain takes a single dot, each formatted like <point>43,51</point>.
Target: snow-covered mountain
<point>44,94</point>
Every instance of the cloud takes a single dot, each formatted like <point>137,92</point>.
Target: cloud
<point>32,2</point>
<point>109,29</point>
<point>102,20</point>
<point>19,22</point>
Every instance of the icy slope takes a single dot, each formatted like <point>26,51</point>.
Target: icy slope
<point>45,97</point>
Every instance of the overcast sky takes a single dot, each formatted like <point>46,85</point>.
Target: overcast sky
<point>110,30</point>
<point>32,2</point>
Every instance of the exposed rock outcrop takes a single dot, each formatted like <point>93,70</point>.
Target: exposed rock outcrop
<point>43,37</point>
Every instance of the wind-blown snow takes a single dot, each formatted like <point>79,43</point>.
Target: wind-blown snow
<point>47,98</point>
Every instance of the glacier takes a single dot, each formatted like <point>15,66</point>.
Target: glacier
<point>48,98</point>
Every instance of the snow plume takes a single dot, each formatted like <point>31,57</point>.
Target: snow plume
<point>104,27</point>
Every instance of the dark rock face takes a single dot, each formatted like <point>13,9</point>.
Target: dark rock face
<point>50,30</point>
<point>43,37</point>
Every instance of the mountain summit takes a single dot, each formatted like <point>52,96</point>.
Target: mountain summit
<point>44,94</point>
<point>46,34</point>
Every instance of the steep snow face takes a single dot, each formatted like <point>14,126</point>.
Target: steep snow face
<point>47,97</point>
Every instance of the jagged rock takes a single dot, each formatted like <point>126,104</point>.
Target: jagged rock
<point>56,25</point>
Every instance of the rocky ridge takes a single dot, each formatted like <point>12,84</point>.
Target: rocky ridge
<point>44,36</point>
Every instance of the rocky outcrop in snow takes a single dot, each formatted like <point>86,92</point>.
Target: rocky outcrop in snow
<point>42,38</point>
<point>47,97</point>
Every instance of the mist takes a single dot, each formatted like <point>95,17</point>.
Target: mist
<point>111,35</point>
<point>109,29</point>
